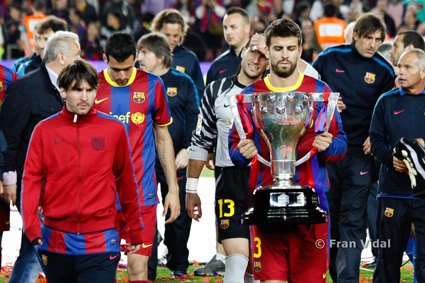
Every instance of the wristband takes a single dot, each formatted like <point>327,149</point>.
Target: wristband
<point>192,185</point>
<point>10,178</point>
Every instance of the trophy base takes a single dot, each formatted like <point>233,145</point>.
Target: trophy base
<point>275,206</point>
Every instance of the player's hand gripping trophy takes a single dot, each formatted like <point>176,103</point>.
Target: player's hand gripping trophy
<point>282,118</point>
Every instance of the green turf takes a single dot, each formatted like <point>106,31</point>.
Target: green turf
<point>365,275</point>
<point>164,275</point>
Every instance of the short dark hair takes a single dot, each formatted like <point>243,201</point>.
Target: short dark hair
<point>51,22</point>
<point>39,5</point>
<point>240,11</point>
<point>158,44</point>
<point>169,16</point>
<point>369,23</point>
<point>330,10</point>
<point>283,28</point>
<point>16,6</point>
<point>78,13</point>
<point>72,75</point>
<point>118,15</point>
<point>414,38</point>
<point>120,45</point>
<point>301,7</point>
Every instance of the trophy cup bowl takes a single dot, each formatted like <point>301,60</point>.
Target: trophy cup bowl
<point>282,118</point>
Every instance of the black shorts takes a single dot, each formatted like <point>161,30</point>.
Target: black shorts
<point>231,186</point>
<point>64,268</point>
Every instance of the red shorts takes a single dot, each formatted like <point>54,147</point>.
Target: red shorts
<point>299,255</point>
<point>148,232</point>
<point>4,216</point>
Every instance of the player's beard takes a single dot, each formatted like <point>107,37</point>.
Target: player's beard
<point>283,73</point>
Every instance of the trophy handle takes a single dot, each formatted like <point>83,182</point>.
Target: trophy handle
<point>238,123</point>
<point>330,110</point>
<point>236,117</point>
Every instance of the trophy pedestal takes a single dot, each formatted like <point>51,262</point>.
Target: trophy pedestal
<point>274,206</point>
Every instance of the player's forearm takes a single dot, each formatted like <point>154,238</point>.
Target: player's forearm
<point>31,193</point>
<point>194,168</point>
<point>165,149</point>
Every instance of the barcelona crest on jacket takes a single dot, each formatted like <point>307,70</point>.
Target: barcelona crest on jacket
<point>369,78</point>
<point>98,143</point>
<point>172,91</point>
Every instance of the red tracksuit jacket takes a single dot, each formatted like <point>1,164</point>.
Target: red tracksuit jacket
<point>83,164</point>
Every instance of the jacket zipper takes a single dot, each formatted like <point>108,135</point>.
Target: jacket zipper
<point>79,178</point>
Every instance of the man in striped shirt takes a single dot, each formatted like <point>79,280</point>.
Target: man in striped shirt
<point>215,119</point>
<point>138,100</point>
<point>291,256</point>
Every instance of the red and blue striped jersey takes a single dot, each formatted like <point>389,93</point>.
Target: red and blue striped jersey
<point>7,76</point>
<point>138,105</point>
<point>311,173</point>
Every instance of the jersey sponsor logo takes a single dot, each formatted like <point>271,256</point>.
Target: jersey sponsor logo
<point>123,118</point>
<point>339,71</point>
<point>389,212</point>
<point>369,78</point>
<point>257,266</point>
<point>137,118</point>
<point>98,143</point>
<point>44,258</point>
<point>180,69</point>
<point>224,224</point>
<point>398,112</point>
<point>99,101</point>
<point>172,91</point>
<point>146,246</point>
<point>139,97</point>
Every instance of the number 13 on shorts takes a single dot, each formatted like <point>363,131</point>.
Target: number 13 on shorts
<point>230,207</point>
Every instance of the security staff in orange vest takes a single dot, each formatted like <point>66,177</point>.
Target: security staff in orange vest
<point>329,30</point>
<point>30,22</point>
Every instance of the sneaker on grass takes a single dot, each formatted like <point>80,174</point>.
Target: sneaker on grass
<point>212,268</point>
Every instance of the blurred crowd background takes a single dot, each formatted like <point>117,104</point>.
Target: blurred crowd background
<point>95,20</point>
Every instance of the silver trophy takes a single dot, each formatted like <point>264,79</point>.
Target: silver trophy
<point>282,118</point>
